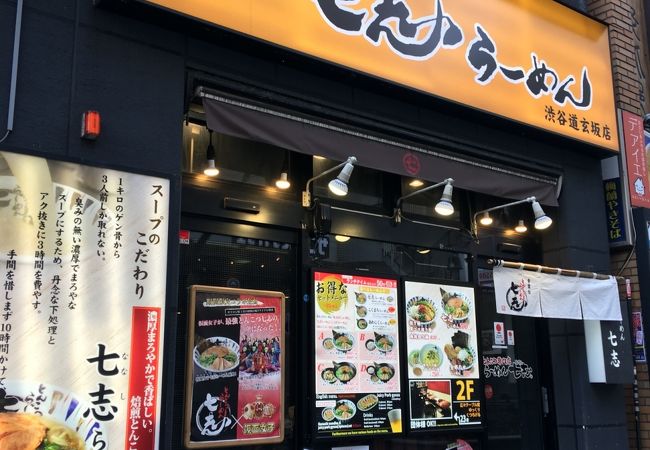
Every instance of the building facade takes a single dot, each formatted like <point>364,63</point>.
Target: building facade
<point>176,86</point>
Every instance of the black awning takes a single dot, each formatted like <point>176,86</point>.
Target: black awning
<point>336,141</point>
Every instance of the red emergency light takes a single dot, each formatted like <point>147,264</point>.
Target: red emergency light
<point>90,125</point>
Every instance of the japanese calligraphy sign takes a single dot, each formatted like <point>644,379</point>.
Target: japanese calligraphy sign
<point>83,260</point>
<point>609,350</point>
<point>615,210</point>
<point>443,364</point>
<point>357,370</point>
<point>514,59</point>
<point>636,159</point>
<point>235,363</point>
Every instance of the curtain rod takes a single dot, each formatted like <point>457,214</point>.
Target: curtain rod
<point>550,270</point>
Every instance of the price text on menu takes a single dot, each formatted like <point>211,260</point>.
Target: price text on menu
<point>357,368</point>
<point>443,373</point>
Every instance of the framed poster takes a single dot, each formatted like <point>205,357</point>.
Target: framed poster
<point>83,262</point>
<point>235,368</point>
<point>357,364</point>
<point>443,365</point>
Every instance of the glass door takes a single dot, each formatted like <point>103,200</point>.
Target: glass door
<point>514,409</point>
<point>246,257</point>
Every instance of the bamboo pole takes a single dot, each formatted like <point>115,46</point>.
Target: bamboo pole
<point>550,270</point>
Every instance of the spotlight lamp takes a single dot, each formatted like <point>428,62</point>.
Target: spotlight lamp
<point>444,207</point>
<point>542,221</point>
<point>211,169</point>
<point>338,186</point>
<point>283,182</point>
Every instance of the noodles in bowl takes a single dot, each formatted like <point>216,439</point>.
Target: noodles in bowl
<point>56,422</point>
<point>217,354</point>
<point>29,431</point>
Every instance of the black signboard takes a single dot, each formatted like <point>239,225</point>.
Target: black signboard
<point>617,349</point>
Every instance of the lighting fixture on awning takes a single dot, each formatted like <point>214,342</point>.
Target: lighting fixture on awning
<point>416,183</point>
<point>444,207</point>
<point>542,221</point>
<point>341,238</point>
<point>210,170</point>
<point>423,251</point>
<point>521,227</point>
<point>283,182</point>
<point>338,186</point>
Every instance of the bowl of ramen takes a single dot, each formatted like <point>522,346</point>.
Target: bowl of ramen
<point>362,324</point>
<point>327,414</point>
<point>56,423</point>
<point>381,373</point>
<point>360,297</point>
<point>217,354</point>
<point>367,402</point>
<point>362,311</point>
<point>344,372</point>
<point>430,356</point>
<point>455,305</point>
<point>328,375</point>
<point>342,341</point>
<point>421,310</point>
<point>461,359</point>
<point>370,345</point>
<point>344,410</point>
<point>384,342</point>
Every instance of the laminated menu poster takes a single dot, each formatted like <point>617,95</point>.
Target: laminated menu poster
<point>234,372</point>
<point>83,264</point>
<point>441,347</point>
<point>357,371</point>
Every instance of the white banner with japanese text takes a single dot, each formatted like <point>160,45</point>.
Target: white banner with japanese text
<point>83,261</point>
<point>527,293</point>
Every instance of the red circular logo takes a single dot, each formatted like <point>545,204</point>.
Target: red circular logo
<point>411,163</point>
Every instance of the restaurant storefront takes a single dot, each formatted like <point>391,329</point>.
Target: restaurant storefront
<point>286,315</point>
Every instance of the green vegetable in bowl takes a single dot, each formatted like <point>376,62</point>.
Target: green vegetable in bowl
<point>207,360</point>
<point>230,357</point>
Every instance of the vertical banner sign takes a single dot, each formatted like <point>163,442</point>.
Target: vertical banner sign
<point>83,261</point>
<point>635,155</point>
<point>357,371</point>
<point>443,365</point>
<point>235,362</point>
<point>615,210</point>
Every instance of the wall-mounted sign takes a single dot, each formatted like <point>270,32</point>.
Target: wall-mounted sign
<point>615,210</point>
<point>609,350</point>
<point>636,159</point>
<point>357,370</point>
<point>83,263</point>
<point>487,55</point>
<point>443,365</point>
<point>234,374</point>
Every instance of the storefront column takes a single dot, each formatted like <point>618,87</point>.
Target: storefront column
<point>588,416</point>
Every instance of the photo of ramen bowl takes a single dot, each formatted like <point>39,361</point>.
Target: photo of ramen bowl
<point>360,297</point>
<point>344,372</point>
<point>58,422</point>
<point>382,372</point>
<point>217,354</point>
<point>344,410</point>
<point>370,345</point>
<point>430,356</point>
<point>455,305</point>
<point>362,324</point>
<point>362,311</point>
<point>342,341</point>
<point>421,310</point>
<point>384,342</point>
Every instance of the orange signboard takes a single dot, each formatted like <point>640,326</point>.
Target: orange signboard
<point>533,61</point>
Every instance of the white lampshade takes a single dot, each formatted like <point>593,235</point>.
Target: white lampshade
<point>542,221</point>
<point>444,206</point>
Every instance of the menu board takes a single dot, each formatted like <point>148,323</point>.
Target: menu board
<point>441,346</point>
<point>234,373</point>
<point>83,263</point>
<point>357,356</point>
